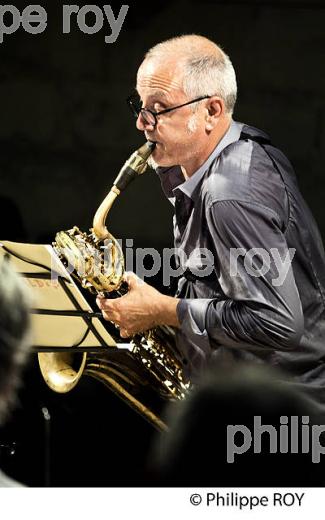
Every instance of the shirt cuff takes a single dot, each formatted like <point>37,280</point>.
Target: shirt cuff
<point>191,315</point>
<point>181,309</point>
<point>192,338</point>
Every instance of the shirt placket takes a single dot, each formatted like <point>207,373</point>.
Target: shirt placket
<point>183,208</point>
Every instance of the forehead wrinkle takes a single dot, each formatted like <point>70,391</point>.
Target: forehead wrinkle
<point>162,79</point>
<point>158,81</point>
<point>158,94</point>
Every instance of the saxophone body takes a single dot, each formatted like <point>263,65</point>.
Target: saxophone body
<point>150,372</point>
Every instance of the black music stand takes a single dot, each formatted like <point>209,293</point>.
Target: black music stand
<point>62,318</point>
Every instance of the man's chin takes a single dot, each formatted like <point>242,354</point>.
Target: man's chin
<point>152,163</point>
<point>157,160</point>
<point>158,163</point>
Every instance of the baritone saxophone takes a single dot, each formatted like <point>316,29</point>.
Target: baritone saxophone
<point>98,264</point>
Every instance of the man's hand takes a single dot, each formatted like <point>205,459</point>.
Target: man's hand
<point>142,308</point>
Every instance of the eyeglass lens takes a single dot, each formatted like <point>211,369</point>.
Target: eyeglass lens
<point>136,107</point>
<point>148,117</point>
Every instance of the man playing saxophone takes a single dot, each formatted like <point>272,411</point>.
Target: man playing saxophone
<point>235,195</point>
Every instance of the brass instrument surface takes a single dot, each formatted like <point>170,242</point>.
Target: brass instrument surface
<point>154,349</point>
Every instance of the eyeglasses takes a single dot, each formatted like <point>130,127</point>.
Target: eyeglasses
<point>150,116</point>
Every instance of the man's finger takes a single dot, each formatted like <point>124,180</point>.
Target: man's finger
<point>106,316</point>
<point>132,280</point>
<point>106,304</point>
<point>110,316</point>
<point>124,333</point>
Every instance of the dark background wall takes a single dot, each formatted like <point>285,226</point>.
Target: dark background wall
<point>65,131</point>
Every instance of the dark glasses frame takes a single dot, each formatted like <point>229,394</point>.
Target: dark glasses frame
<point>146,113</point>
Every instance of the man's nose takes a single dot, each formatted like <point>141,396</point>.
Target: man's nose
<point>142,125</point>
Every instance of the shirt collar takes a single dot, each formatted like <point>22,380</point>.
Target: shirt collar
<point>172,178</point>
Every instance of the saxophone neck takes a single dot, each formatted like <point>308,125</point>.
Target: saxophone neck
<point>99,228</point>
<point>133,167</point>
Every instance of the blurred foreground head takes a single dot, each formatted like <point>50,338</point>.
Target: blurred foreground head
<point>194,451</point>
<point>14,334</point>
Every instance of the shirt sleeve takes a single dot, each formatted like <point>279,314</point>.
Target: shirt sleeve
<point>261,307</point>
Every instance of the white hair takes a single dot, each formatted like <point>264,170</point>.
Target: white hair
<point>207,68</point>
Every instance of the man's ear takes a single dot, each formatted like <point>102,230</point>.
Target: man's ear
<point>215,109</point>
<point>216,106</point>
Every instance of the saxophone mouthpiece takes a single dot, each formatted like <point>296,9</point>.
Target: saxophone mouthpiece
<point>151,145</point>
<point>134,166</point>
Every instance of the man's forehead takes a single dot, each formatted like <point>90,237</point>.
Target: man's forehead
<point>158,94</point>
<point>159,78</point>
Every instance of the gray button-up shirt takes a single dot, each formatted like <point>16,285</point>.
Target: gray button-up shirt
<point>241,222</point>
